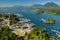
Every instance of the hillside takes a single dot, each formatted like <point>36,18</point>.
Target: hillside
<point>50,4</point>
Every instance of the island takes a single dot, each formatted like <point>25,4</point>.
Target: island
<point>48,20</point>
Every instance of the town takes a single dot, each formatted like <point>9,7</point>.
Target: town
<point>22,27</point>
<point>19,25</point>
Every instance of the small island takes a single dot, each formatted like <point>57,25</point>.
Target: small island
<point>48,20</point>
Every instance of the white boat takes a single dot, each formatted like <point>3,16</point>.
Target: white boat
<point>43,20</point>
<point>57,32</point>
<point>54,30</point>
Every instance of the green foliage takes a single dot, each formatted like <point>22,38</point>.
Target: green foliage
<point>54,11</point>
<point>37,34</point>
<point>38,11</point>
<point>6,34</point>
<point>50,8</point>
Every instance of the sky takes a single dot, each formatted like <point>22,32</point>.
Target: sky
<point>8,3</point>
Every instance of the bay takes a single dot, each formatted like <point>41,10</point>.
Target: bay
<point>31,14</point>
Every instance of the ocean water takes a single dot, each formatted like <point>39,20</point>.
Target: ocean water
<point>31,14</point>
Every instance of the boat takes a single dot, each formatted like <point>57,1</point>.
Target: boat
<point>57,32</point>
<point>48,21</point>
<point>54,30</point>
<point>43,20</point>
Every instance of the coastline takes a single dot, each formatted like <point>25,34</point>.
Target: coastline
<point>21,28</point>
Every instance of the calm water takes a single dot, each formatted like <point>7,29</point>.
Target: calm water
<point>30,14</point>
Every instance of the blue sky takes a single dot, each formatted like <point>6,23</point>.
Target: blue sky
<point>25,2</point>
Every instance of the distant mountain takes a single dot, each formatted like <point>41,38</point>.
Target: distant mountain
<point>37,5</point>
<point>18,6</point>
<point>50,4</point>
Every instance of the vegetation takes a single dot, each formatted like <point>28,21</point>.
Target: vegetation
<point>54,11</point>
<point>50,20</point>
<point>38,11</point>
<point>18,32</point>
<point>50,8</point>
<point>12,17</point>
<point>38,34</point>
<point>6,34</point>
